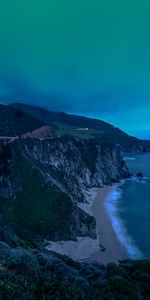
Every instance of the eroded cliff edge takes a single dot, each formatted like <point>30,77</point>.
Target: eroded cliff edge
<point>42,182</point>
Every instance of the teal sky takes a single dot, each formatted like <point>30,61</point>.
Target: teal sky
<point>86,57</point>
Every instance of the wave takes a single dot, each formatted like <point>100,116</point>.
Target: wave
<point>112,203</point>
<point>144,179</point>
<point>129,158</point>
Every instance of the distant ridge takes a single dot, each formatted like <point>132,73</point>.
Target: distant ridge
<point>50,117</point>
<point>98,129</point>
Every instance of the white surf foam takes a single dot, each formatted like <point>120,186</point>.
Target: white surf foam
<point>144,179</point>
<point>112,202</point>
<point>129,158</point>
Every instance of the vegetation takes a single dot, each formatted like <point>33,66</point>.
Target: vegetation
<point>5,156</point>
<point>32,274</point>
<point>34,212</point>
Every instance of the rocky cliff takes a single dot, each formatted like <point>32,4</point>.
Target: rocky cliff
<point>76,165</point>
<point>42,182</point>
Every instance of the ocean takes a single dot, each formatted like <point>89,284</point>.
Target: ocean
<point>129,208</point>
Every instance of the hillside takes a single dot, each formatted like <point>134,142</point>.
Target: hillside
<point>42,183</point>
<point>32,274</point>
<point>98,130</point>
<point>13,121</point>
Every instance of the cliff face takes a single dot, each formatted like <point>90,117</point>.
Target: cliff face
<point>43,182</point>
<point>76,165</point>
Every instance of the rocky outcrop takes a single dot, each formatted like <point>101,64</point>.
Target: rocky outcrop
<point>41,133</point>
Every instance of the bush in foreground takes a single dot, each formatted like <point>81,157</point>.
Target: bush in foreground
<point>32,274</point>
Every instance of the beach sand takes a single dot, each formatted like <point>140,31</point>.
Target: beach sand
<point>107,236</point>
<point>88,249</point>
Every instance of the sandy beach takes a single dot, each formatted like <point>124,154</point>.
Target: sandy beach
<point>108,239</point>
<point>88,249</point>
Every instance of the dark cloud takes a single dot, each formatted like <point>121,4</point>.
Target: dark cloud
<point>18,90</point>
<point>102,102</point>
<point>53,102</point>
<point>121,107</point>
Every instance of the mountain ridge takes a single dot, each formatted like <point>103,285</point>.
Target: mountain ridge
<point>99,130</point>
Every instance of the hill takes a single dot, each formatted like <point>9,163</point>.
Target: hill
<point>98,130</point>
<point>14,121</point>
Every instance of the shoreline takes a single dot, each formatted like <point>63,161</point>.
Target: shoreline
<point>113,249</point>
<point>107,247</point>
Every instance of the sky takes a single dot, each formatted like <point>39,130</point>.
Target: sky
<point>87,57</point>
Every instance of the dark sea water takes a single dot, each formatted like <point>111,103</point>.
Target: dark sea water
<point>130,208</point>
